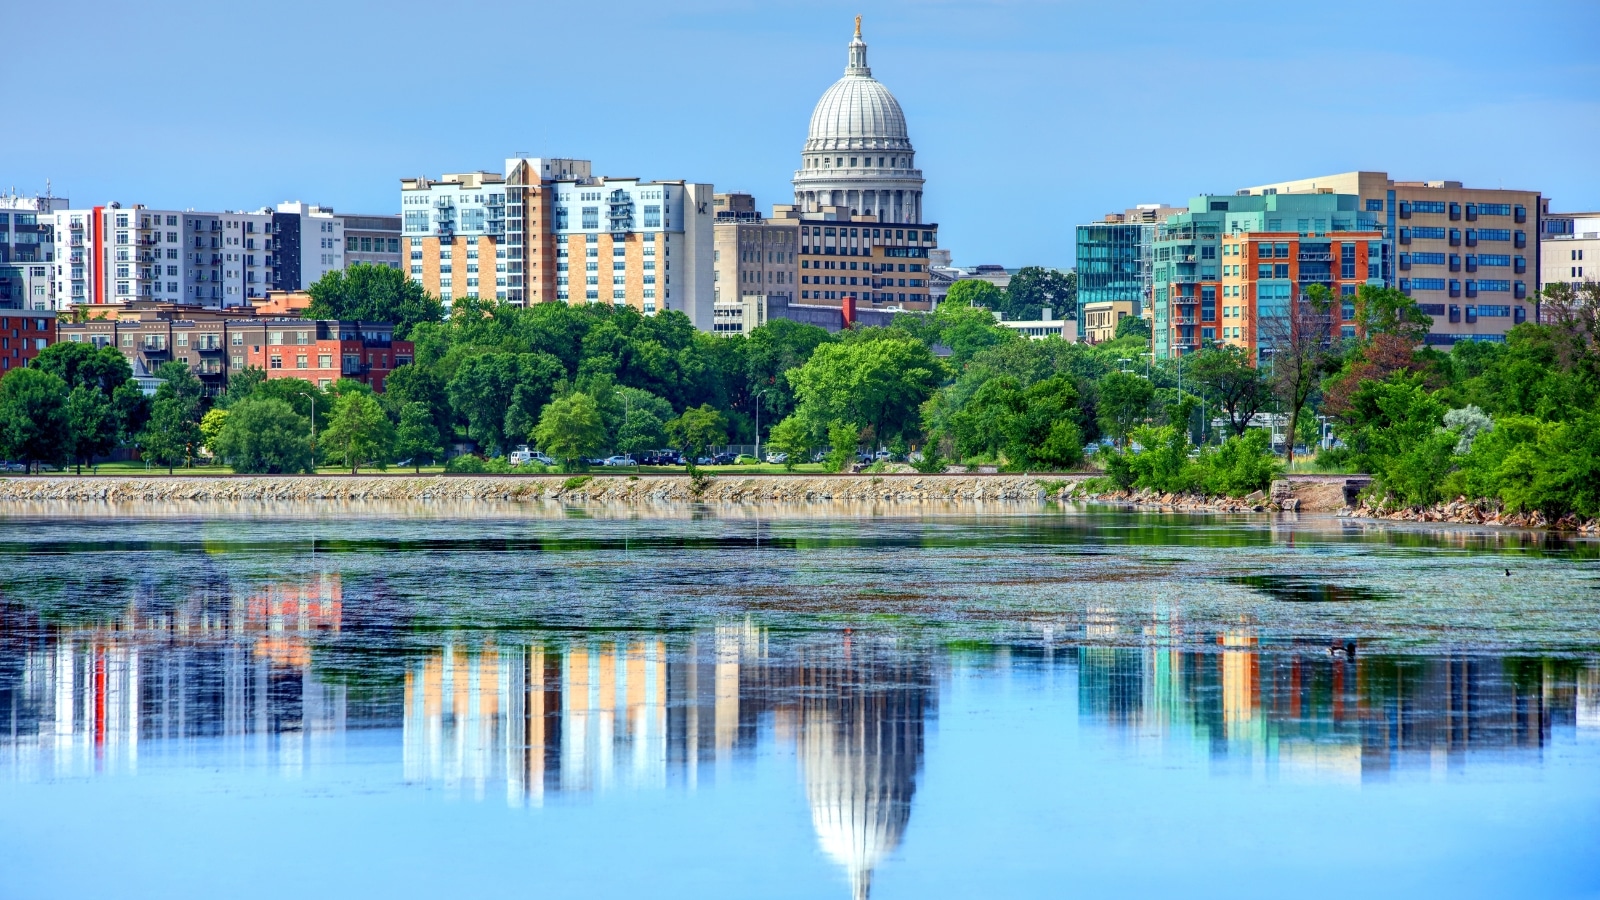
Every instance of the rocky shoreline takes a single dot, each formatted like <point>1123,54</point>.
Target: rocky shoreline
<point>595,489</point>
<point>1287,495</point>
<point>1462,511</point>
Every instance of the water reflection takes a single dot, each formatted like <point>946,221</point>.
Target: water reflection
<point>282,675</point>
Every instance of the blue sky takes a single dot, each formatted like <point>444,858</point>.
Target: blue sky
<point>1028,117</point>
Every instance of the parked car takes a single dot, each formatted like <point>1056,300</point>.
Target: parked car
<point>14,467</point>
<point>617,461</point>
<point>777,458</point>
<point>745,459</point>
<point>723,459</point>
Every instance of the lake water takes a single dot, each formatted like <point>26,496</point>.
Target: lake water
<point>1012,702</point>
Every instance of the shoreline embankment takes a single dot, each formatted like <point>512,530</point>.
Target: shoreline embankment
<point>1309,496</point>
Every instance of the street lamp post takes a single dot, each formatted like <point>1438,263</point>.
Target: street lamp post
<point>758,423</point>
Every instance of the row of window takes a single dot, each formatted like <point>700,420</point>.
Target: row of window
<point>1455,209</point>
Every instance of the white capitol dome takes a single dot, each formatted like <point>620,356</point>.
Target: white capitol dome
<point>858,154</point>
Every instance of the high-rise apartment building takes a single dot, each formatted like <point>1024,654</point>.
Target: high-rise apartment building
<point>755,259</point>
<point>27,251</point>
<point>309,241</point>
<point>549,230</point>
<point>114,254</point>
<point>454,230</point>
<point>1469,256</point>
<point>1114,262</point>
<point>1230,269</point>
<point>1569,248</point>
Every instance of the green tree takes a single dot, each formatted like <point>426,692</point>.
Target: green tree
<point>1389,311</point>
<point>418,383</point>
<point>1134,327</point>
<point>695,431</point>
<point>33,416</point>
<point>417,439</point>
<point>880,380</point>
<point>172,434</point>
<point>264,435</point>
<point>968,330</point>
<point>570,429</point>
<point>1124,404</point>
<point>358,433</point>
<point>973,292</point>
<point>1231,382</point>
<point>1301,347</point>
<point>375,294</point>
<point>210,427</point>
<point>844,439</point>
<point>132,410</point>
<point>242,384</point>
<point>500,395</point>
<point>1034,289</point>
<point>91,425</point>
<point>791,438</point>
<point>78,364</point>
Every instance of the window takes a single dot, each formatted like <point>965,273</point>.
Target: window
<point>1428,232</point>
<point>275,362</point>
<point>1427,284</point>
<point>300,362</point>
<point>1493,234</point>
<point>1374,206</point>
<point>1423,259</point>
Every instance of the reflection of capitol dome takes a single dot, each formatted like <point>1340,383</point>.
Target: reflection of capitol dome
<point>861,748</point>
<point>858,154</point>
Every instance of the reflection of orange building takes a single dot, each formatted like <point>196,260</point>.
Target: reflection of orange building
<point>1241,672</point>
<point>283,617</point>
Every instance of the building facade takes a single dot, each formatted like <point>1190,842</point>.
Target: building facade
<point>549,230</point>
<point>1114,260</point>
<point>454,230</point>
<point>1046,326</point>
<point>858,154</point>
<point>1469,256</point>
<point>116,255</point>
<point>755,258</point>
<point>873,265</point>
<point>27,251</point>
<point>216,343</point>
<point>1230,269</point>
<point>1569,248</point>
<point>22,337</point>
<point>1101,318</point>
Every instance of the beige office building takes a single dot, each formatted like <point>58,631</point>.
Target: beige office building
<point>755,259</point>
<point>1569,248</point>
<point>1469,256</point>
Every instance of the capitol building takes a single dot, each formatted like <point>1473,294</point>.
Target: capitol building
<point>858,155</point>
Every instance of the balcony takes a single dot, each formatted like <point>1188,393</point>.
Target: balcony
<point>154,348</point>
<point>1316,256</point>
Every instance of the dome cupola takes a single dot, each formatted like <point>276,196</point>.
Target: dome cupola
<point>858,154</point>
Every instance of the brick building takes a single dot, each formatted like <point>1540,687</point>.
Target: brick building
<point>217,343</point>
<point>22,337</point>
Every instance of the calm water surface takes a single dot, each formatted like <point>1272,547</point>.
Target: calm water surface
<point>544,702</point>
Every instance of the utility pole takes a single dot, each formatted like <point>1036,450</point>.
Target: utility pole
<point>758,424</point>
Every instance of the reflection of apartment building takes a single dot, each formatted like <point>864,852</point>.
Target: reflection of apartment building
<point>1468,256</point>
<point>549,230</point>
<point>1305,713</point>
<point>217,343</point>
